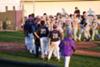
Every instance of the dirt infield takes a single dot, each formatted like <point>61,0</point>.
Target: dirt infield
<point>81,46</point>
<point>11,46</point>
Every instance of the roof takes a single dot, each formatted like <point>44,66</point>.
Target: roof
<point>56,0</point>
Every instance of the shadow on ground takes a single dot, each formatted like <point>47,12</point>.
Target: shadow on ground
<point>7,63</point>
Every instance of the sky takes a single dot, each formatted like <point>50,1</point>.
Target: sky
<point>10,4</point>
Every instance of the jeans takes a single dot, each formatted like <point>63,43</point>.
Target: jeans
<point>44,46</point>
<point>80,33</point>
<point>30,43</point>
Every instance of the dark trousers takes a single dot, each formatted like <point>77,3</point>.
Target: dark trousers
<point>37,43</point>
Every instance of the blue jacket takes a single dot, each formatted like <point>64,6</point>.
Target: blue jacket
<point>29,27</point>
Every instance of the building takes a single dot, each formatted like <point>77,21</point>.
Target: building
<point>53,6</point>
<point>13,11</point>
<point>11,15</point>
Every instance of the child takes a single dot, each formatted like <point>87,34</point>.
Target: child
<point>55,37</point>
<point>67,47</point>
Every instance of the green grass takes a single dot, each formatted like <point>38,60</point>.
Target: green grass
<point>12,37</point>
<point>24,56</point>
<point>76,60</point>
<point>93,49</point>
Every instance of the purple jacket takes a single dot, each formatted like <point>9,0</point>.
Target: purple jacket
<point>67,47</point>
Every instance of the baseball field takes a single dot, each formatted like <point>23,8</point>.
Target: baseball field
<point>14,54</point>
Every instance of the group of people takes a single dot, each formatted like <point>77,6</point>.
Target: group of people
<point>49,36</point>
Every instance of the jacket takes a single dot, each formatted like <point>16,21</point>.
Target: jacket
<point>67,47</point>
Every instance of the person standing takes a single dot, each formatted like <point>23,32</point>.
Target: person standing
<point>87,28</point>
<point>29,30</point>
<point>55,39</point>
<point>37,40</point>
<point>43,34</point>
<point>94,26</point>
<point>67,48</point>
<point>68,23</point>
<point>75,24</point>
<point>77,12</point>
<point>83,24</point>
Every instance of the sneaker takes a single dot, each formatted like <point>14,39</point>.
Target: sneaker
<point>30,51</point>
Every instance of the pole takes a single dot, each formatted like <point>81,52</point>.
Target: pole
<point>33,6</point>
